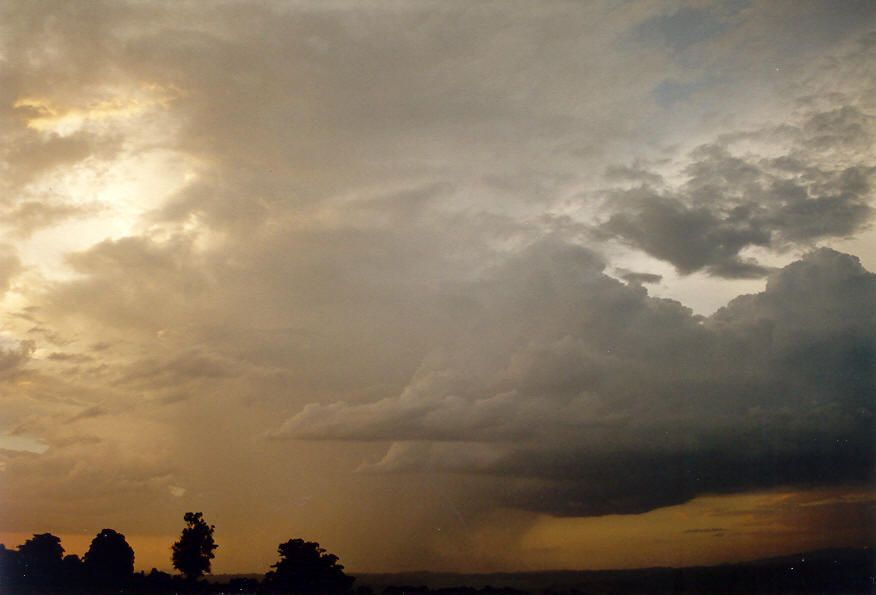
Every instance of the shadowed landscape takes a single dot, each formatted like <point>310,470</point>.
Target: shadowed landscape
<point>39,566</point>
<point>825,571</point>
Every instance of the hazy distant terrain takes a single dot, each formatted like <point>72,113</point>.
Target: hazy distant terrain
<point>825,571</point>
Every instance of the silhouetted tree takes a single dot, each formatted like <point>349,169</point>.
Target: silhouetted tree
<point>72,572</point>
<point>304,567</point>
<point>10,569</point>
<point>110,560</point>
<point>194,550</point>
<point>40,560</point>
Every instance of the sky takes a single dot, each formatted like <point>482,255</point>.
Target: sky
<point>466,286</point>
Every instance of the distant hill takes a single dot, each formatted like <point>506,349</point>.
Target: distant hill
<point>823,571</point>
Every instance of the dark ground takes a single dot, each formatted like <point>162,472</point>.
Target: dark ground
<point>841,571</point>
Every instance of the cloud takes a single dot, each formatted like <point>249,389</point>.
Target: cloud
<point>620,402</point>
<point>121,280</point>
<point>290,220</point>
<point>686,26</point>
<point>93,471</point>
<point>13,357</point>
<point>78,358</point>
<point>728,203</point>
<point>93,411</point>
<point>690,238</point>
<point>10,266</point>
<point>30,215</point>
<point>101,489</point>
<point>638,278</point>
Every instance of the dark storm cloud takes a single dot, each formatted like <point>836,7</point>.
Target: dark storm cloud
<point>374,221</point>
<point>846,127</point>
<point>729,203</point>
<point>611,401</point>
<point>690,238</point>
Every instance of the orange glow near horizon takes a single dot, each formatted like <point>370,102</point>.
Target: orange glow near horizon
<point>706,531</point>
<point>709,530</point>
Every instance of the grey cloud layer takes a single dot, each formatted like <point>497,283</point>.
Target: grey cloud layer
<point>393,225</point>
<point>729,202</point>
<point>612,401</point>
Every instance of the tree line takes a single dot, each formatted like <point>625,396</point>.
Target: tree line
<point>40,566</point>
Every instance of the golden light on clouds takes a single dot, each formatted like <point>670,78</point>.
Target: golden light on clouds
<point>566,285</point>
<point>706,530</point>
<point>45,115</point>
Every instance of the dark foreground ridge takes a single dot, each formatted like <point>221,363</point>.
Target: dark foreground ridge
<point>825,571</point>
<point>39,566</point>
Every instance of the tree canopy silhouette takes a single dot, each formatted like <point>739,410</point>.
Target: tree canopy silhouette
<point>109,560</point>
<point>40,560</point>
<point>304,567</point>
<point>194,549</point>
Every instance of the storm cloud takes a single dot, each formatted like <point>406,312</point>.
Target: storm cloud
<point>728,203</point>
<point>465,261</point>
<point>617,402</point>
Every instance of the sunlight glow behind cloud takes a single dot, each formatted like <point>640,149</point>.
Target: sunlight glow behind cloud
<point>487,267</point>
<point>116,108</point>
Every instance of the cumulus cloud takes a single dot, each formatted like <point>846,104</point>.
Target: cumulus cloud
<point>729,202</point>
<point>625,403</point>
